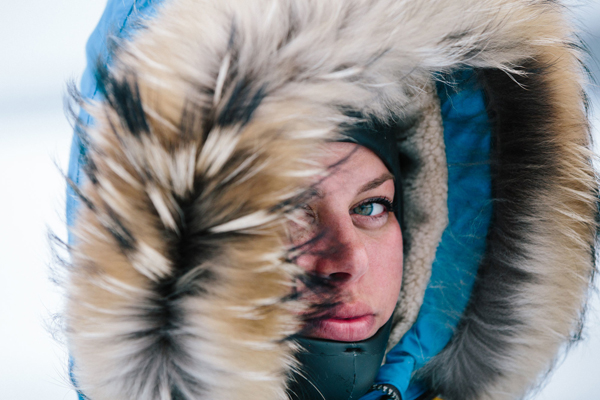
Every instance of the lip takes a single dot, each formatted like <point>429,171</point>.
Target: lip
<point>346,323</point>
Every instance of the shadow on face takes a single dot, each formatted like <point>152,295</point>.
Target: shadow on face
<point>351,243</point>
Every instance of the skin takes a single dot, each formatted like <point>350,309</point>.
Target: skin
<point>362,241</point>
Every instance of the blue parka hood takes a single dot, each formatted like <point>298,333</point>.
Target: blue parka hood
<point>179,96</point>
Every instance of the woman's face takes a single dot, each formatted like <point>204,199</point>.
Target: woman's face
<point>359,247</point>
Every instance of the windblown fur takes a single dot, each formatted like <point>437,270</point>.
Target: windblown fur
<point>213,117</point>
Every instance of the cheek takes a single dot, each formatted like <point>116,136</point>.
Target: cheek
<point>386,266</point>
<point>299,233</point>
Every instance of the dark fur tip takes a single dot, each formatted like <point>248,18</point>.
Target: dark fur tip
<point>123,96</point>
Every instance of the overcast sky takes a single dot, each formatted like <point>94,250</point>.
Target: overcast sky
<point>43,45</point>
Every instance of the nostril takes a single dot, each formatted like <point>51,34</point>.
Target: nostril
<point>339,276</point>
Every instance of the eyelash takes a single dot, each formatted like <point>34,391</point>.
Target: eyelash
<point>379,200</point>
<point>384,201</point>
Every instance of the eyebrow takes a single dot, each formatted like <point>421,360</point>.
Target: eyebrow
<point>318,193</point>
<point>375,182</point>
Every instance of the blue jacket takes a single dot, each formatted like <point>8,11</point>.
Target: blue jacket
<point>520,190</point>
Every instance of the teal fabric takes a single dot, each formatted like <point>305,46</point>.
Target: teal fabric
<point>467,135</point>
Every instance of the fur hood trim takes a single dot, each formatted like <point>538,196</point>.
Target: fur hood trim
<point>212,116</point>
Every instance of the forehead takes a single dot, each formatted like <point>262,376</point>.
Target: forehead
<point>351,168</point>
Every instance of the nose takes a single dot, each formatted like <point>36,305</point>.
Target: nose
<point>339,254</point>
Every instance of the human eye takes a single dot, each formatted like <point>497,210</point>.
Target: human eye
<point>374,208</point>
<point>301,224</point>
<point>308,214</point>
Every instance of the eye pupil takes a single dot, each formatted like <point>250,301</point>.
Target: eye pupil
<point>372,208</point>
<point>365,209</point>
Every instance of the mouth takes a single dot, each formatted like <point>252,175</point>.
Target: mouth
<point>345,323</point>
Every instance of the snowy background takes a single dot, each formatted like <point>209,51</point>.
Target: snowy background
<point>42,44</point>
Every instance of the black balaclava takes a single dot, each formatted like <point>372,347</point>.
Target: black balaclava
<point>332,370</point>
<point>338,370</point>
